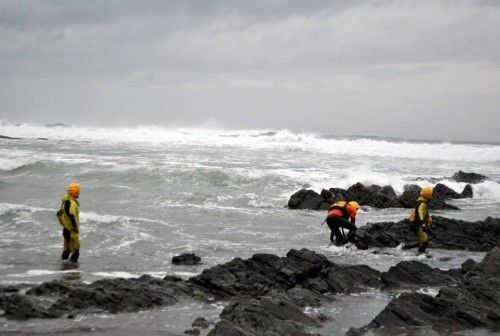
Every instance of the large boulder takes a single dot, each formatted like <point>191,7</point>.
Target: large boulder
<point>411,193</point>
<point>474,303</point>
<point>442,191</point>
<point>305,199</point>
<point>409,196</point>
<point>473,178</point>
<point>186,259</point>
<point>340,194</point>
<point>467,192</point>
<point>361,194</point>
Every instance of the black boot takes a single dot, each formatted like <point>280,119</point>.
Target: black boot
<point>351,237</point>
<point>65,255</point>
<point>422,247</point>
<point>74,256</point>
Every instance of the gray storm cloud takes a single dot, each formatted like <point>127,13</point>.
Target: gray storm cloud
<point>427,69</point>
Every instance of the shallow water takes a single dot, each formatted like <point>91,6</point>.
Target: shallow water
<point>149,194</point>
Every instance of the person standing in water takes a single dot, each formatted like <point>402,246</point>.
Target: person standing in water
<point>420,220</point>
<point>69,218</point>
<point>342,215</point>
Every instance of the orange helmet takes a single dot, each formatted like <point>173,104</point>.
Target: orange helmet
<point>74,189</point>
<point>426,192</point>
<point>354,204</point>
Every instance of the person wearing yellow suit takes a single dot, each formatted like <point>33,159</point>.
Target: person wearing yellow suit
<point>423,221</point>
<point>342,215</point>
<point>69,218</point>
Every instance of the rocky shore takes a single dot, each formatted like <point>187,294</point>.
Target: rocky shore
<point>473,302</point>
<point>267,294</point>
<point>446,233</point>
<point>384,196</point>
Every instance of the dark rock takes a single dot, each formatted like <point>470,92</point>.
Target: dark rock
<point>361,194</point>
<point>260,274</point>
<point>21,307</point>
<point>200,322</point>
<point>194,332</point>
<point>440,204</point>
<point>297,271</point>
<point>327,196</point>
<point>172,278</point>
<point>386,198</point>
<point>340,194</point>
<point>442,191</point>
<point>8,289</point>
<point>374,196</point>
<point>416,273</point>
<point>446,233</point>
<point>8,138</point>
<point>120,295</point>
<point>467,192</point>
<point>186,259</point>
<point>303,297</point>
<point>349,279</point>
<point>468,265</point>
<point>388,192</point>
<point>472,178</point>
<point>273,314</point>
<point>305,199</point>
<point>409,196</point>
<point>472,304</point>
<point>55,287</point>
<point>374,188</point>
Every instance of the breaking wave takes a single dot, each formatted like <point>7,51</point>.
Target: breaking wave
<point>260,140</point>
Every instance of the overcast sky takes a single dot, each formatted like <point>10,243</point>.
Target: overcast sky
<point>416,69</point>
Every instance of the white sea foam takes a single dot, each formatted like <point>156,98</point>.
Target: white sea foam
<point>255,140</point>
<point>40,272</point>
<point>428,291</point>
<point>487,190</point>
<point>115,274</point>
<point>7,207</point>
<point>89,216</point>
<point>186,275</point>
<point>9,164</point>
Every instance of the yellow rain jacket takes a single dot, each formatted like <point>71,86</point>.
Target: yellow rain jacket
<point>69,218</point>
<point>423,218</point>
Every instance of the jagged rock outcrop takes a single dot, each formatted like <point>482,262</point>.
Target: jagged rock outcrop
<point>467,192</point>
<point>265,272</point>
<point>473,178</point>
<point>111,295</point>
<point>474,303</point>
<point>375,196</point>
<point>307,199</point>
<point>411,273</point>
<point>272,315</point>
<point>447,233</point>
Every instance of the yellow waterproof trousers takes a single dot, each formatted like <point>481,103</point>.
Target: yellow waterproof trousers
<point>71,242</point>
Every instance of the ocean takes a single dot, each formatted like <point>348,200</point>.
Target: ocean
<point>149,193</point>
